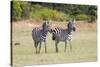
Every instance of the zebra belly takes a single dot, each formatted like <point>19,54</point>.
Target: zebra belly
<point>39,38</point>
<point>59,38</point>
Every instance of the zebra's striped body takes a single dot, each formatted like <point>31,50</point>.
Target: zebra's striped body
<point>61,34</point>
<point>39,36</point>
<point>65,35</point>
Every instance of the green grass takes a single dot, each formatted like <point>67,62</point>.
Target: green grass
<point>84,48</point>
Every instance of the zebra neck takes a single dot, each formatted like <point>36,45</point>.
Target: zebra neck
<point>44,32</point>
<point>69,31</point>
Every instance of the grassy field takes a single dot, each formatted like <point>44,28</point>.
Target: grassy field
<point>84,46</point>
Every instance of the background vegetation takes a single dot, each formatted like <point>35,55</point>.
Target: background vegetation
<point>52,11</point>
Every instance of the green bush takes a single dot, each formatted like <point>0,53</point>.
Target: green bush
<point>92,19</point>
<point>40,11</point>
<point>16,11</point>
<point>46,13</point>
<point>25,6</point>
<point>82,17</point>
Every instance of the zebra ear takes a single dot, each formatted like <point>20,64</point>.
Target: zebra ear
<point>47,22</point>
<point>44,24</point>
<point>68,23</point>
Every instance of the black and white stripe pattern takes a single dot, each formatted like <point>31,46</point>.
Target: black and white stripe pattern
<point>39,36</point>
<point>59,34</point>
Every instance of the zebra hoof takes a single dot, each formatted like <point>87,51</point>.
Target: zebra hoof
<point>45,52</point>
<point>56,51</point>
<point>36,52</point>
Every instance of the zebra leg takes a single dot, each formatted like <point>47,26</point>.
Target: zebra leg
<point>70,45</point>
<point>56,45</point>
<point>65,46</point>
<point>40,47</point>
<point>45,47</point>
<point>35,44</point>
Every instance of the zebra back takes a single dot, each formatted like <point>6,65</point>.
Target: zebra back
<point>63,34</point>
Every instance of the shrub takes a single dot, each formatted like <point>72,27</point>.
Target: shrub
<point>82,17</point>
<point>47,13</point>
<point>16,10</point>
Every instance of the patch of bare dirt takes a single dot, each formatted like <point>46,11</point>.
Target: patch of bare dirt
<point>33,24</point>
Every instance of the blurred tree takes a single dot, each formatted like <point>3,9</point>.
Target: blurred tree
<point>92,12</point>
<point>26,7</point>
<point>52,11</point>
<point>16,10</point>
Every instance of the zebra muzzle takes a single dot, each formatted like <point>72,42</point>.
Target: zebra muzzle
<point>74,29</point>
<point>53,38</point>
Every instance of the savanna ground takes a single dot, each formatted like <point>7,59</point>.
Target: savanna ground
<point>84,45</point>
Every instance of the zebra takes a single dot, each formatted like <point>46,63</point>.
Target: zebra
<point>39,36</point>
<point>64,35</point>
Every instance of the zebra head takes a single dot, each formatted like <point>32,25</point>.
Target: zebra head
<point>71,25</point>
<point>46,26</point>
